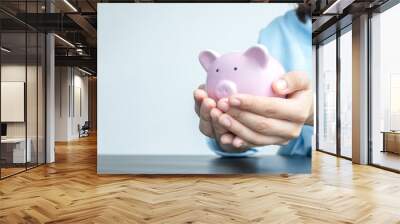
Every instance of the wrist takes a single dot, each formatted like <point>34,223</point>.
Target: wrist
<point>310,119</point>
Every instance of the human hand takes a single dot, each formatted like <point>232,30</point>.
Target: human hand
<point>205,108</point>
<point>260,121</point>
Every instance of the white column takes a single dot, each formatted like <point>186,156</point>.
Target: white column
<point>360,90</point>
<point>50,110</point>
<point>50,92</point>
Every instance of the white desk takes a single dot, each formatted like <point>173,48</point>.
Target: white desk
<point>19,149</point>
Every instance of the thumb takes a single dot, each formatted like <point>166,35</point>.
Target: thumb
<point>290,83</point>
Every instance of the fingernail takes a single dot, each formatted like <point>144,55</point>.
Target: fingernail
<point>214,113</point>
<point>238,143</point>
<point>223,106</point>
<point>281,84</point>
<point>224,139</point>
<point>225,121</point>
<point>234,101</point>
<point>209,103</point>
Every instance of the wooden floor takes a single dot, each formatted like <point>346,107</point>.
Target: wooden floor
<point>5,172</point>
<point>70,191</point>
<point>387,159</point>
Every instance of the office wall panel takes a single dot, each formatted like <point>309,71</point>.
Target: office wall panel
<point>71,102</point>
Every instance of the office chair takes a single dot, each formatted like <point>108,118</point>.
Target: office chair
<point>84,130</point>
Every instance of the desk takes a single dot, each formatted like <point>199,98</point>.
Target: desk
<point>17,150</point>
<point>391,141</point>
<point>169,164</point>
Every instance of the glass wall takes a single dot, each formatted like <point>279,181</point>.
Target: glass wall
<point>13,93</point>
<point>22,92</point>
<point>327,96</point>
<point>385,89</point>
<point>346,93</point>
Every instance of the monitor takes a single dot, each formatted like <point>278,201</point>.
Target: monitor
<point>3,129</point>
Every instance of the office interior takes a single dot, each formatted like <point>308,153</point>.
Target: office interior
<point>48,76</point>
<point>48,81</point>
<point>28,45</point>
<point>376,77</point>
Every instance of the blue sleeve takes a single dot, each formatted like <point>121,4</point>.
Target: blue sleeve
<point>300,146</point>
<point>213,145</point>
<point>289,41</point>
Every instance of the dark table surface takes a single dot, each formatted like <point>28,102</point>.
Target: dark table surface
<point>178,164</point>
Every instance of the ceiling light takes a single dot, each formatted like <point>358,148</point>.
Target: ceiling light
<point>70,5</point>
<point>328,10</point>
<point>84,71</point>
<point>337,7</point>
<point>5,50</point>
<point>65,41</point>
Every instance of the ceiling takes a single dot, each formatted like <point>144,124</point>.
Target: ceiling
<point>332,15</point>
<point>75,23</point>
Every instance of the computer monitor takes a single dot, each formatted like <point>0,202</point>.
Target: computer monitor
<point>3,129</point>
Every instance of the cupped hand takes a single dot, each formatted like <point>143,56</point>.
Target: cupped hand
<point>260,121</point>
<point>209,114</point>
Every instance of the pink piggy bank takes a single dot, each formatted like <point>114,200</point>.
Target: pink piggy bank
<point>251,72</point>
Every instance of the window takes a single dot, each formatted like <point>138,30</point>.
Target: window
<point>346,95</point>
<point>327,97</point>
<point>385,89</point>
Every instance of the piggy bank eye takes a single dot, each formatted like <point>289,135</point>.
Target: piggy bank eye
<point>235,68</point>
<point>217,70</point>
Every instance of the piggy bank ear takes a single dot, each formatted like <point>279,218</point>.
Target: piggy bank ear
<point>207,57</point>
<point>258,54</point>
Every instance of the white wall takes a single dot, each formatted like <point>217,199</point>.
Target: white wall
<point>80,83</point>
<point>61,103</point>
<point>16,72</point>
<point>68,81</point>
<point>148,69</point>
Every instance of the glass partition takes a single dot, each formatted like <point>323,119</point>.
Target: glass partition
<point>346,94</point>
<point>14,153</point>
<point>22,77</point>
<point>32,95</point>
<point>385,89</point>
<point>327,97</point>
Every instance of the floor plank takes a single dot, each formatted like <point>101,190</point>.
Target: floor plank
<point>70,191</point>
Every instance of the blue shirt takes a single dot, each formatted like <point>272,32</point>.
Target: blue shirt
<point>289,41</point>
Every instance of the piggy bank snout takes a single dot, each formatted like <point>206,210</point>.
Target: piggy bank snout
<point>225,88</point>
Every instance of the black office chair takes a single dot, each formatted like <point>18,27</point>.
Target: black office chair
<point>84,130</point>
